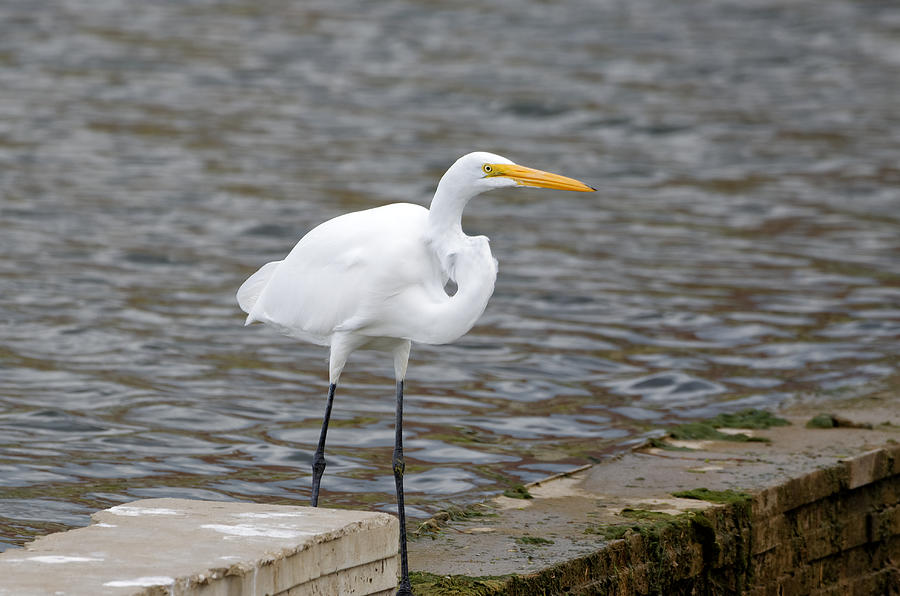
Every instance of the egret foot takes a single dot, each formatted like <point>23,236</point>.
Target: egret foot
<point>318,469</point>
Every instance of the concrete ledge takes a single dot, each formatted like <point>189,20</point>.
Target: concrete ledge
<point>180,547</point>
<point>796,511</point>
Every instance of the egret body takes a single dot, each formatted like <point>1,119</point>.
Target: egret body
<point>375,279</point>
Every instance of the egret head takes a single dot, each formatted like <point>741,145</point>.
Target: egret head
<point>481,171</point>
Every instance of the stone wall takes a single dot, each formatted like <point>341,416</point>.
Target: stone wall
<point>834,531</point>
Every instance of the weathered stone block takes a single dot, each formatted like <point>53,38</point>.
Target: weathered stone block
<point>883,524</point>
<point>201,548</point>
<point>768,533</point>
<point>869,467</point>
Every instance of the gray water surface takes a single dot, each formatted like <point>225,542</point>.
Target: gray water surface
<point>743,248</point>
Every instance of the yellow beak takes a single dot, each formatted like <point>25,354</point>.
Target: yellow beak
<point>530,177</point>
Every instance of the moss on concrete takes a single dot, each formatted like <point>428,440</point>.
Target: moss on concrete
<point>517,492</point>
<point>821,421</point>
<point>752,418</point>
<point>534,541</point>
<point>834,421</point>
<point>645,523</point>
<point>691,553</point>
<point>708,430</point>
<point>436,524</point>
<point>429,584</point>
<point>608,532</point>
<point>646,514</point>
<point>713,496</point>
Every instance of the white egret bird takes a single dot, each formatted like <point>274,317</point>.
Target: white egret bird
<point>375,279</point>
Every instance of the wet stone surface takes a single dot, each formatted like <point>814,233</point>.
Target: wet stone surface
<point>583,513</point>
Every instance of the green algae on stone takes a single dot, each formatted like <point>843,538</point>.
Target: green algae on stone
<point>436,523</point>
<point>751,418</point>
<point>614,532</point>
<point>661,543</point>
<point>708,430</point>
<point>646,514</point>
<point>534,540</point>
<point>713,496</point>
<point>429,584</point>
<point>656,555</point>
<point>645,521</point>
<point>517,492</point>
<point>835,421</point>
<point>821,421</point>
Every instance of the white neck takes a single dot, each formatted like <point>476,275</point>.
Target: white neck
<point>468,261</point>
<point>445,214</point>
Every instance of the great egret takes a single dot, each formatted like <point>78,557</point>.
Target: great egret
<point>375,279</point>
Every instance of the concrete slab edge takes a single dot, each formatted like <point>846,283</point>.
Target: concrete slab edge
<point>724,547</point>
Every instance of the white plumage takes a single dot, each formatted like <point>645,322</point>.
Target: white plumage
<point>376,279</point>
<point>371,273</point>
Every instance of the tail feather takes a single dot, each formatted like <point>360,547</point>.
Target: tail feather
<point>250,290</point>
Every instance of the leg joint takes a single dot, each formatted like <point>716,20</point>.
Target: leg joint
<point>399,463</point>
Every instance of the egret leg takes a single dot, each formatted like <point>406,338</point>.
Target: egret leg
<point>404,589</point>
<point>319,457</point>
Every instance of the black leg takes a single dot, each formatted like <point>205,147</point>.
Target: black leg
<point>404,589</point>
<point>319,457</point>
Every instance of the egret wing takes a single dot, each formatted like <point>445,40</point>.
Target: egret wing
<point>342,274</point>
<point>249,292</point>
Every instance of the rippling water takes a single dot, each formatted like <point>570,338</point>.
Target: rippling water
<point>743,250</point>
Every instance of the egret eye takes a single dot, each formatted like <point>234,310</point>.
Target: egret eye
<point>486,168</point>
